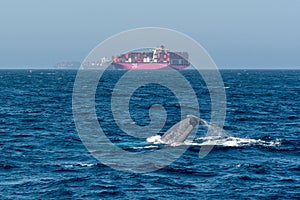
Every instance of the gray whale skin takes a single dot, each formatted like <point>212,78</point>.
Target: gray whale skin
<point>181,130</point>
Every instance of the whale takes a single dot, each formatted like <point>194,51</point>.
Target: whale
<point>181,130</point>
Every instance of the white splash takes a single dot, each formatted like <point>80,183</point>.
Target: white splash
<point>234,142</point>
<point>85,164</point>
<point>218,141</point>
<point>154,139</point>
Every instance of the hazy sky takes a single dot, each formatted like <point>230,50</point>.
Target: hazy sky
<point>239,34</point>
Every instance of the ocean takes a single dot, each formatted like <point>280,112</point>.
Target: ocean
<point>43,155</point>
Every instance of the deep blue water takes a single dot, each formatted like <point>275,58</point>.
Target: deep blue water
<point>42,156</point>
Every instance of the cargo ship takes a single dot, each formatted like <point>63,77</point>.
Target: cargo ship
<point>157,58</point>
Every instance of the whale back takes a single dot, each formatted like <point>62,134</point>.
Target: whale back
<point>181,130</point>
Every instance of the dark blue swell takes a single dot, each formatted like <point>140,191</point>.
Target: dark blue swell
<point>42,156</point>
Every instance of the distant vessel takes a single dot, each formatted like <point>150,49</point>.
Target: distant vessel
<point>157,58</point>
<point>149,59</point>
<point>97,65</point>
<point>67,65</point>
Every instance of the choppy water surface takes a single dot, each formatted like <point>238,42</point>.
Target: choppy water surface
<point>43,157</point>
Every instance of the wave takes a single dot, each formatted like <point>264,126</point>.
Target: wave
<point>219,141</point>
<point>232,142</point>
<point>86,164</point>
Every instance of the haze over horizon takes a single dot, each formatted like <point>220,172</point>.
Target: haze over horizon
<point>244,35</point>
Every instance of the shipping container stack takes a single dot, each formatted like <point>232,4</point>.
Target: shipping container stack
<point>161,56</point>
<point>179,58</point>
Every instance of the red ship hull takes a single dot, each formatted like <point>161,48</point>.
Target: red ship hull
<point>179,67</point>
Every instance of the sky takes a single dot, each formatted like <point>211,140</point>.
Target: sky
<point>237,34</point>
